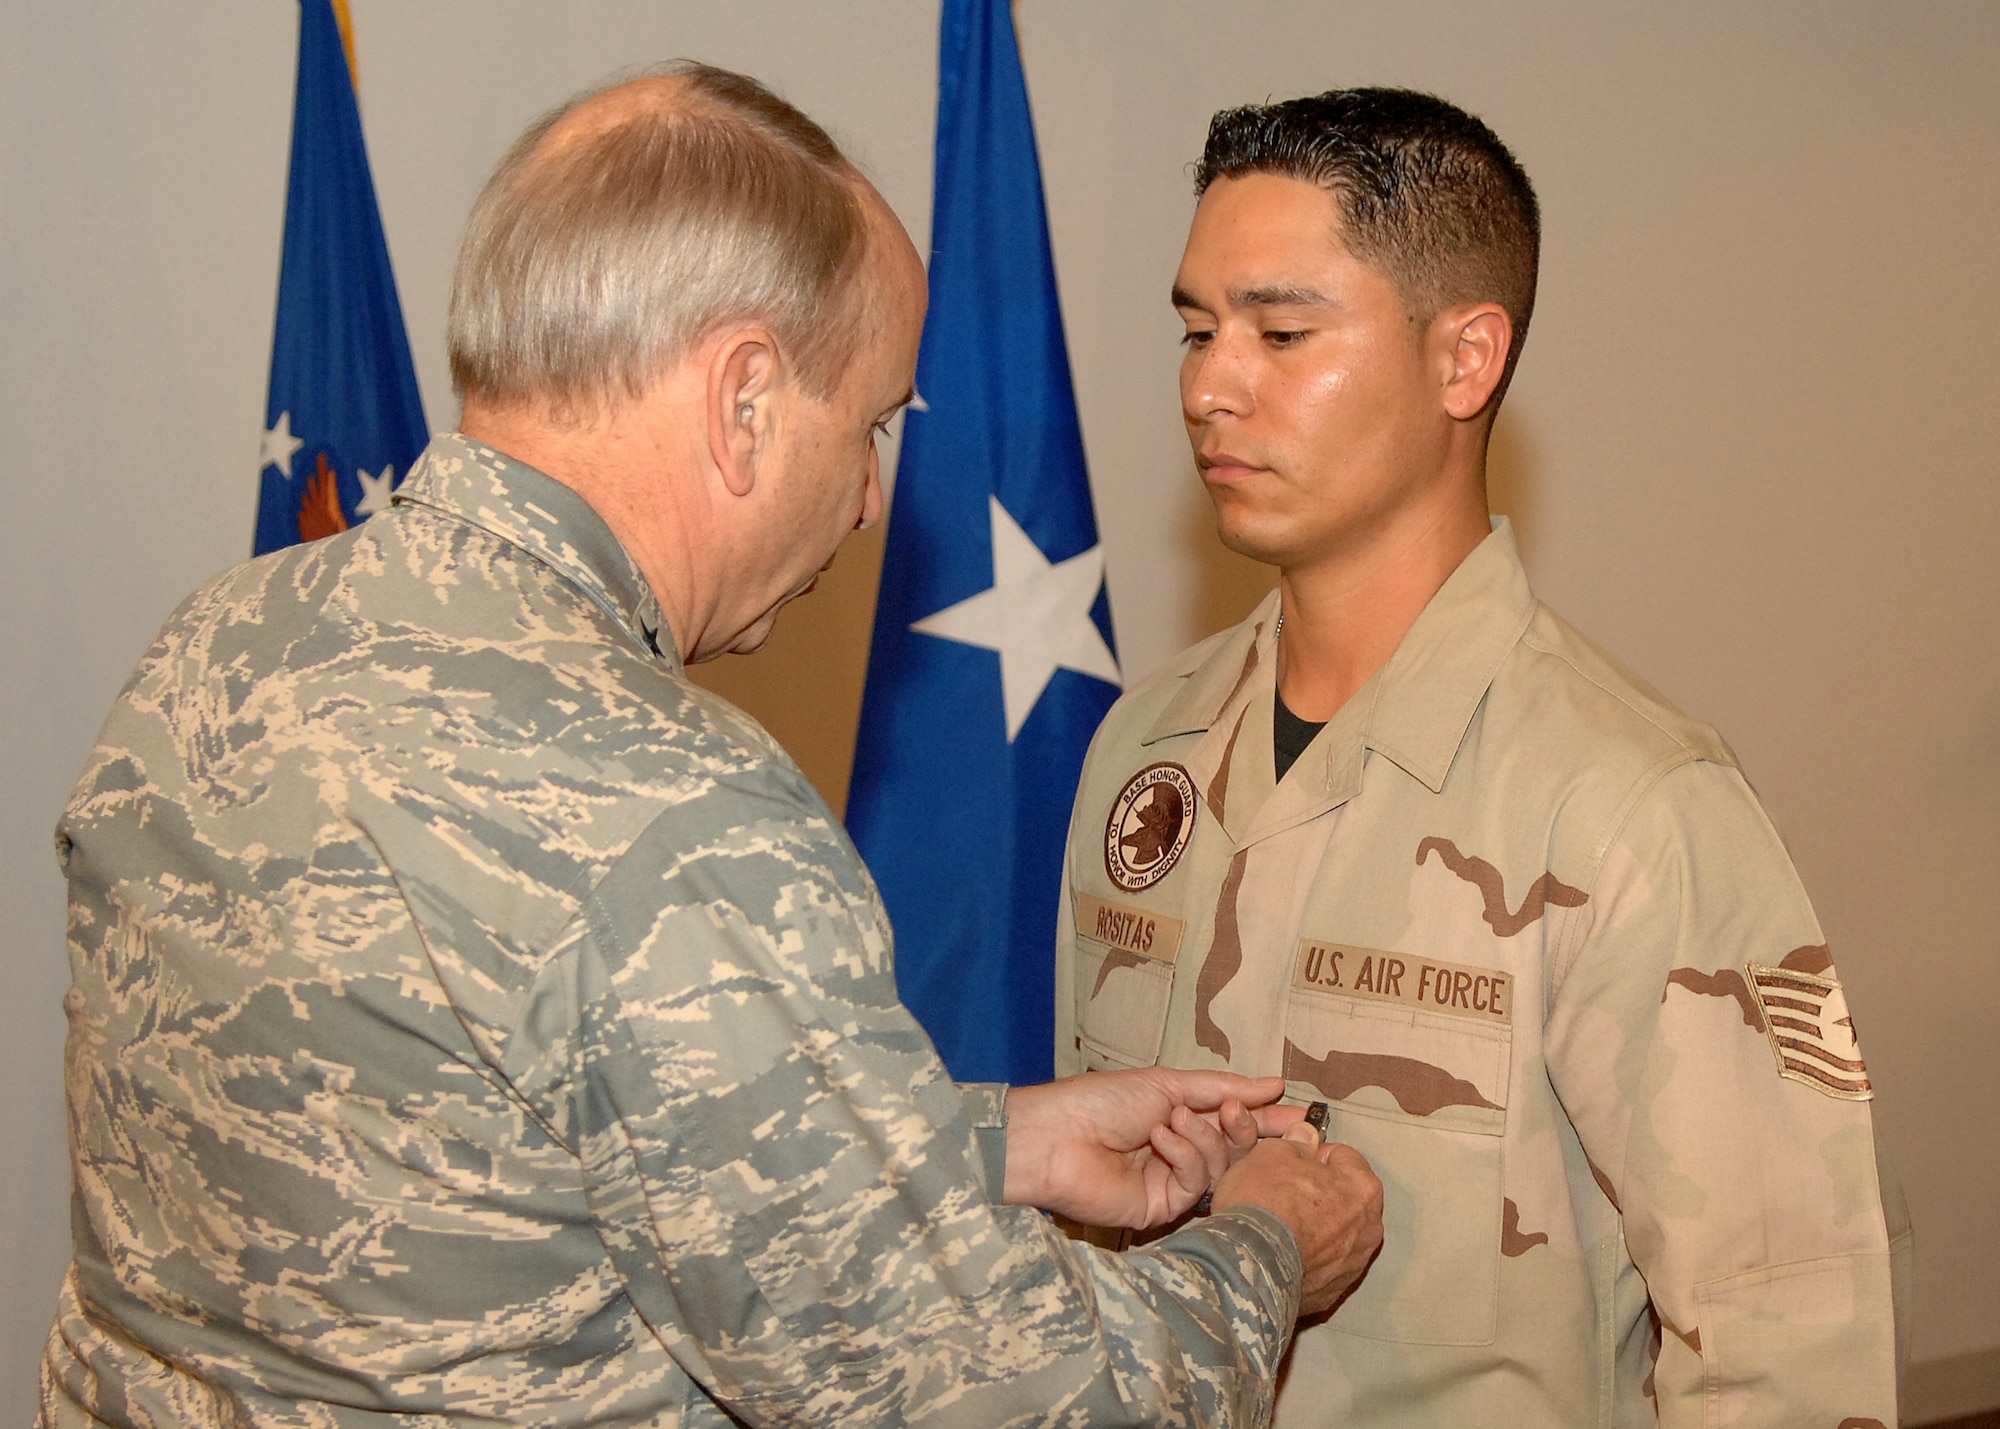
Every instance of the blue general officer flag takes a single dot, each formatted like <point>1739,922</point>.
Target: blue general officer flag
<point>992,661</point>
<point>344,420</point>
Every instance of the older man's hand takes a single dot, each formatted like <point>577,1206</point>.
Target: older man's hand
<point>1328,1196</point>
<point>1135,1148</point>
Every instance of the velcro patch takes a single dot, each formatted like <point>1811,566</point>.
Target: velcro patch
<point>1483,994</point>
<point>1149,827</point>
<point>1811,1033</point>
<point>1132,930</point>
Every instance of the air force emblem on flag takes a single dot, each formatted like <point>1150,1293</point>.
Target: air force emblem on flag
<point>1811,1032</point>
<point>344,415</point>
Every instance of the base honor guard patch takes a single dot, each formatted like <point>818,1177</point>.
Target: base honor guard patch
<point>1811,1033</point>
<point>1149,826</point>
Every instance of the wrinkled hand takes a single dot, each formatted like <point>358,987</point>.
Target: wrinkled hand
<point>1135,1148</point>
<point>1329,1198</point>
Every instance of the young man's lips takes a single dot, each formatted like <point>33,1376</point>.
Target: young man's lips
<point>1224,467</point>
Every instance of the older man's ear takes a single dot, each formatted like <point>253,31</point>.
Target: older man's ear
<point>745,383</point>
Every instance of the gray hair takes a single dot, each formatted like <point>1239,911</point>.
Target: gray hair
<point>591,265</point>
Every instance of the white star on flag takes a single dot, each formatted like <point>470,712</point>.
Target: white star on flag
<point>1036,615</point>
<point>375,491</point>
<point>279,444</point>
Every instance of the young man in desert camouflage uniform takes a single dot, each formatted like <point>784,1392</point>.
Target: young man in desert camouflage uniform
<point>475,1022</point>
<point>1408,840</point>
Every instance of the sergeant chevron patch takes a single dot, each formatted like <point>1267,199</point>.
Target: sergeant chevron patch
<point>1811,1033</point>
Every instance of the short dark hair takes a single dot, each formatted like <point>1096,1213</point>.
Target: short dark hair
<point>1427,194</point>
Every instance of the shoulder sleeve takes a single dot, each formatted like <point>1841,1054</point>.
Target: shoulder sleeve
<point>1703,1050</point>
<point>787,1182</point>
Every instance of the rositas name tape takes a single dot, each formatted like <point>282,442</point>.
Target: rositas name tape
<point>1134,930</point>
<point>1483,994</point>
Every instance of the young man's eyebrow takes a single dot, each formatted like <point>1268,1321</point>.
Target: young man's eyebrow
<point>1276,295</point>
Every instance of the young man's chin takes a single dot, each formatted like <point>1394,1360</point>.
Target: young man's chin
<point>1246,538</point>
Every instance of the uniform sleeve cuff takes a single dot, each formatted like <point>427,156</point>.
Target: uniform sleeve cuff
<point>1254,1262</point>
<point>986,1109</point>
<point>1276,1252</point>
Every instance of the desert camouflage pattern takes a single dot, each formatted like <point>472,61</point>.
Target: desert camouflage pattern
<point>1526,930</point>
<point>475,1022</point>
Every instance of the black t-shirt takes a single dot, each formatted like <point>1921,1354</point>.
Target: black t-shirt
<point>1289,734</point>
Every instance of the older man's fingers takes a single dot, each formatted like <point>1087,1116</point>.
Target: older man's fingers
<point>1207,1090</point>
<point>1239,1128</point>
<point>1276,1119</point>
<point>1305,1133</point>
<point>1207,1138</point>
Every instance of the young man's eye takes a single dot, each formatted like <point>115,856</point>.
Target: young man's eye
<point>1285,337</point>
<point>1196,338</point>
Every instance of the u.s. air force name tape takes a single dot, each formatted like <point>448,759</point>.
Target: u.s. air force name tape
<point>1483,994</point>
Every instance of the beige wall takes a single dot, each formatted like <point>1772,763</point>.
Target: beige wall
<point>1751,448</point>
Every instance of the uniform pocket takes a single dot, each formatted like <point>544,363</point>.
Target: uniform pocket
<point>1782,1337</point>
<point>1121,1013</point>
<point>1125,978</point>
<point>1423,1096</point>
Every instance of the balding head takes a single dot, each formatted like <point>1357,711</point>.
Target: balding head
<point>634,219</point>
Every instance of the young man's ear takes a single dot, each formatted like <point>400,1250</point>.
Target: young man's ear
<point>742,393</point>
<point>1477,340</point>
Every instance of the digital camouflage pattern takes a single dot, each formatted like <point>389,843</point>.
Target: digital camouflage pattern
<point>1528,932</point>
<point>474,1021</point>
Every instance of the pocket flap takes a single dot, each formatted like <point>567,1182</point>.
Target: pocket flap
<point>1125,978</point>
<point>1380,1059</point>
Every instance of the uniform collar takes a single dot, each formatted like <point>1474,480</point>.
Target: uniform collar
<point>1434,683</point>
<point>1414,711</point>
<point>526,508</point>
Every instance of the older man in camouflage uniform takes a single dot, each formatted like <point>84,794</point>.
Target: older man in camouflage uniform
<point>1408,840</point>
<point>473,1021</point>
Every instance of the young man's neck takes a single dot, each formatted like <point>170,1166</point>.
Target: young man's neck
<point>1345,615</point>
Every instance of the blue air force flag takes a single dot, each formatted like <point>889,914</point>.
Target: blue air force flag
<point>992,661</point>
<point>343,421</point>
